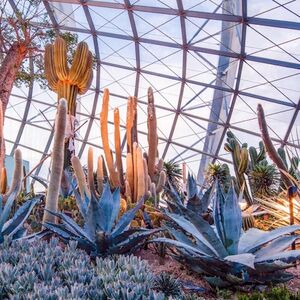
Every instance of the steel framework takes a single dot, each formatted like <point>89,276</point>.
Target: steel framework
<point>185,109</point>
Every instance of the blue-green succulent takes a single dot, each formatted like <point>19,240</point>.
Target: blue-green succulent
<point>103,233</point>
<point>223,253</point>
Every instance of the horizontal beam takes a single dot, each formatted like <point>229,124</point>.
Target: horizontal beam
<point>187,13</point>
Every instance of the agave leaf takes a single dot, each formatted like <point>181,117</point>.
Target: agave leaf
<point>59,229</point>
<point>205,200</point>
<point>273,278</point>
<point>126,218</point>
<point>20,233</point>
<point>232,219</point>
<point>189,227</point>
<point>38,235</point>
<point>217,282</point>
<point>254,238</point>
<point>286,256</point>
<point>109,206</point>
<point>71,225</point>
<point>267,267</point>
<point>7,207</point>
<point>191,187</point>
<point>93,218</point>
<point>125,234</point>
<point>177,244</point>
<point>210,237</point>
<point>20,216</point>
<point>218,212</point>
<point>41,180</point>
<point>131,241</point>
<point>246,259</point>
<point>277,246</point>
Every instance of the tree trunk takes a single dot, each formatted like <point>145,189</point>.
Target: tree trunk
<point>8,72</point>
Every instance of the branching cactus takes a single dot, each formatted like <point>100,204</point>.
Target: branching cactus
<point>240,159</point>
<point>68,82</point>
<point>57,163</point>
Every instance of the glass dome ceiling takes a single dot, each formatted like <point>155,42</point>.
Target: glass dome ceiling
<point>209,62</point>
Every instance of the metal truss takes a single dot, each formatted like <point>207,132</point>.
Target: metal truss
<point>199,145</point>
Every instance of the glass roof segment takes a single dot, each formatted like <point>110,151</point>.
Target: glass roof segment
<point>209,62</point>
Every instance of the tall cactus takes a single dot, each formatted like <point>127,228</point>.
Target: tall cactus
<point>152,134</point>
<point>68,82</point>
<point>57,162</point>
<point>118,146</point>
<point>105,141</point>
<point>271,151</point>
<point>2,144</point>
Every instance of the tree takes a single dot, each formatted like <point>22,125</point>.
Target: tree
<point>25,28</point>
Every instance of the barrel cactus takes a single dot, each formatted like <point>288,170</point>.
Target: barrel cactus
<point>223,253</point>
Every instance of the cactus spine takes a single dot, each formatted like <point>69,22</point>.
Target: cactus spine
<point>67,83</point>
<point>271,151</point>
<point>57,162</point>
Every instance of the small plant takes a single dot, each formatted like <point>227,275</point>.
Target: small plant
<point>41,270</point>
<point>167,284</point>
<point>276,293</point>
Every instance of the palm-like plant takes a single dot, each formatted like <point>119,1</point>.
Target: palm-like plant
<point>173,174</point>
<point>223,253</point>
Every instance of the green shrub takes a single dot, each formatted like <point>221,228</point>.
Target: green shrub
<point>41,270</point>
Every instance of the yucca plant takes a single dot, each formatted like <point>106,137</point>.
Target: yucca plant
<point>103,233</point>
<point>223,253</point>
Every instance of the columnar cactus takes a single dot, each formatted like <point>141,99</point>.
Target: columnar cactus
<point>114,176</point>
<point>57,162</point>
<point>118,146</point>
<point>152,134</point>
<point>3,181</point>
<point>68,82</point>
<point>271,151</point>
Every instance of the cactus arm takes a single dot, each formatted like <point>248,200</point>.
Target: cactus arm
<point>80,176</point>
<point>269,145</point>
<point>90,166</point>
<point>130,172</point>
<point>135,174</point>
<point>140,174</point>
<point>100,175</point>
<point>128,193</point>
<point>145,168</point>
<point>161,181</point>
<point>50,71</point>
<point>118,146</point>
<point>152,134</point>
<point>2,143</point>
<point>57,163</point>
<point>105,142</point>
<point>153,193</point>
<point>60,58</point>
<point>134,134</point>
<point>3,181</point>
<point>129,123</point>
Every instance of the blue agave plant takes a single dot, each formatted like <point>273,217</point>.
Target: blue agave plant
<point>13,227</point>
<point>223,253</point>
<point>103,233</point>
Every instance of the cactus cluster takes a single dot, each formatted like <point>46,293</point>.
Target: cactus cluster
<point>144,174</point>
<point>41,270</point>
<point>68,82</point>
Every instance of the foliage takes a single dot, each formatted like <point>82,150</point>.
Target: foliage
<point>276,293</point>
<point>102,234</point>
<point>220,173</point>
<point>41,270</point>
<point>29,23</point>
<point>173,174</point>
<point>167,284</point>
<point>223,253</point>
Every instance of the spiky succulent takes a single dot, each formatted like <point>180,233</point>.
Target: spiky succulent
<point>167,284</point>
<point>218,172</point>
<point>225,254</point>
<point>41,270</point>
<point>103,233</point>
